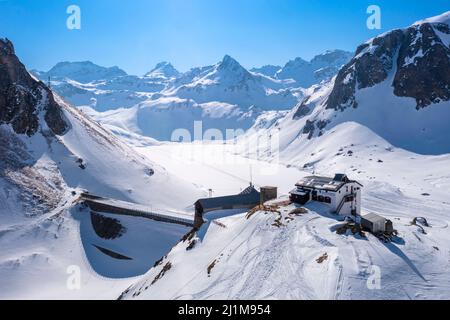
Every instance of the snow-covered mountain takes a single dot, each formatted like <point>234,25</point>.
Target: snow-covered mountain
<point>87,84</point>
<point>229,82</point>
<point>162,119</point>
<point>321,67</point>
<point>163,71</point>
<point>83,71</point>
<point>50,153</point>
<point>121,92</point>
<point>224,83</point>
<point>226,89</point>
<point>397,85</point>
<point>267,70</point>
<point>223,96</point>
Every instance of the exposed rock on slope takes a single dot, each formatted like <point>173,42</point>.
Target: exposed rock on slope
<point>419,58</point>
<point>397,85</point>
<point>20,94</point>
<point>48,147</point>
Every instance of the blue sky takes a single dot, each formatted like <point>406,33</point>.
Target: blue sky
<point>136,34</point>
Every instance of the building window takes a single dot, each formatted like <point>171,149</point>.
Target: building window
<point>321,199</point>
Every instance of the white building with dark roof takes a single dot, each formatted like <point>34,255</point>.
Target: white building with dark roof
<point>341,194</point>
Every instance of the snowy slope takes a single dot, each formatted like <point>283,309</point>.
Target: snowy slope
<point>109,171</point>
<point>408,104</point>
<point>161,118</point>
<point>51,152</point>
<point>254,259</point>
<point>378,141</point>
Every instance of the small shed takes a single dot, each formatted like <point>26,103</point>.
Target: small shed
<point>373,222</point>
<point>268,193</point>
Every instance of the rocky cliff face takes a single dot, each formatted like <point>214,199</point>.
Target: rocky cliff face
<point>424,73</point>
<point>417,58</point>
<point>23,100</point>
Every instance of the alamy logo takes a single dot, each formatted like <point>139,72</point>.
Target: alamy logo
<point>211,147</point>
<point>184,135</point>
<point>73,22</point>
<point>74,278</point>
<point>374,20</point>
<point>374,279</point>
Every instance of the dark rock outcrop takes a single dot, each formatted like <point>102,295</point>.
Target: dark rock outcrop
<point>418,56</point>
<point>425,66</point>
<point>302,110</point>
<point>23,99</point>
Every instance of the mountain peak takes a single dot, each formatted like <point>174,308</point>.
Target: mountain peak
<point>297,61</point>
<point>228,58</point>
<point>338,57</point>
<point>6,47</point>
<point>163,69</point>
<point>83,71</point>
<point>229,65</point>
<point>442,18</point>
<point>267,70</point>
<point>322,67</point>
<point>23,100</point>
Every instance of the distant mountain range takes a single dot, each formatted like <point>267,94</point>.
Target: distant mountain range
<point>103,88</point>
<point>226,88</point>
<point>307,73</point>
<point>83,72</point>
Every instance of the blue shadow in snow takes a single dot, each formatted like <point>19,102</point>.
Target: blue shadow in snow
<point>399,253</point>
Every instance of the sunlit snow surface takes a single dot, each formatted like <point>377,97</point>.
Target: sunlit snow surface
<point>255,259</point>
